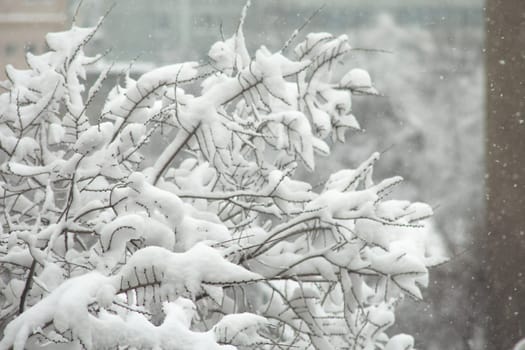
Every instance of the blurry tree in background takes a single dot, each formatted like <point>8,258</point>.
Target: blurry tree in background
<point>504,253</point>
<point>430,125</point>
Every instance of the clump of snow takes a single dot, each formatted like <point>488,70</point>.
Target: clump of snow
<point>356,79</point>
<point>400,342</point>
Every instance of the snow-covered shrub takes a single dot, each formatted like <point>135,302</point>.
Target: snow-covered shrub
<point>210,242</point>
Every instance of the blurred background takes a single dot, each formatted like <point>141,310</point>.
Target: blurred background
<point>426,58</point>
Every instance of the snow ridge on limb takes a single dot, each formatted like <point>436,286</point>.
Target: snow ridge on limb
<point>216,244</point>
<point>155,275</point>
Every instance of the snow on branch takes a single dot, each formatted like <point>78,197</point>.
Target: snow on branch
<point>209,241</point>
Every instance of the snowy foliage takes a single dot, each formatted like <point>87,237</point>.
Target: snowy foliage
<point>210,242</point>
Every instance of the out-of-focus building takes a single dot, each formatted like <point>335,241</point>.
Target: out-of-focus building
<point>23,25</point>
<point>164,31</point>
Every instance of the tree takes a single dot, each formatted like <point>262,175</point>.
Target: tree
<point>208,242</point>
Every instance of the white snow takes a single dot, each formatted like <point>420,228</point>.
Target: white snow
<point>209,241</point>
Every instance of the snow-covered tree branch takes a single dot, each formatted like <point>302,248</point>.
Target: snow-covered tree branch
<point>209,242</point>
